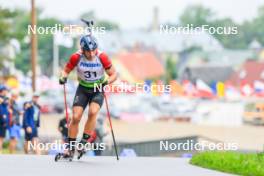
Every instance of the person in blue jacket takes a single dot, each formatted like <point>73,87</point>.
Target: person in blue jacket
<point>36,107</point>
<point>3,114</point>
<point>14,124</point>
<point>31,122</point>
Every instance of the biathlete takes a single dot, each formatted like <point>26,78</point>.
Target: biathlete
<point>91,65</point>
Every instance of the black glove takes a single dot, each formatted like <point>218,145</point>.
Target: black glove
<point>63,80</point>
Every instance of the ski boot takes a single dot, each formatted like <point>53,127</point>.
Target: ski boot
<point>83,143</point>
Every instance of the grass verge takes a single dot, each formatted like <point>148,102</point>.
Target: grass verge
<point>231,162</point>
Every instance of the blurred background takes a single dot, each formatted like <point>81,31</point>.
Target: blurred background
<point>217,81</point>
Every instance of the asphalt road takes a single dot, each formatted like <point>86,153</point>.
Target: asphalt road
<point>32,165</point>
<point>244,136</point>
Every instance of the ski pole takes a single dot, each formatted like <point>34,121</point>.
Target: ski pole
<point>89,24</point>
<point>110,122</point>
<point>66,107</point>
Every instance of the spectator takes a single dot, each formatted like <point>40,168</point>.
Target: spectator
<point>36,107</point>
<point>63,129</point>
<point>3,114</point>
<point>14,125</point>
<point>31,122</point>
<point>101,133</point>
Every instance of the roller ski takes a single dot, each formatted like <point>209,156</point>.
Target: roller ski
<point>64,156</point>
<point>80,154</point>
<point>82,151</point>
<point>67,155</point>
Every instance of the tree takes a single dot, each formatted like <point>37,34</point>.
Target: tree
<point>196,15</point>
<point>45,42</point>
<point>5,25</point>
<point>254,29</point>
<point>199,16</point>
<point>170,69</point>
<point>233,41</point>
<point>5,30</point>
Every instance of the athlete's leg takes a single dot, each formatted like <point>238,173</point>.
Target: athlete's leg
<point>94,109</point>
<point>80,102</point>
<point>73,130</point>
<point>89,134</point>
<point>74,122</point>
<point>96,102</point>
<point>83,96</point>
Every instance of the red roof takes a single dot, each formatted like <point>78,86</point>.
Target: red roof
<point>250,71</point>
<point>141,65</point>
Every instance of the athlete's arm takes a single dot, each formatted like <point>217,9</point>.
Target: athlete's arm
<point>111,72</point>
<point>109,68</point>
<point>70,65</point>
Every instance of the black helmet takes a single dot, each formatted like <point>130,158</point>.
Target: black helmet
<point>88,43</point>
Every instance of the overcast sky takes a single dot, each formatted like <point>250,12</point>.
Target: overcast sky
<point>138,13</point>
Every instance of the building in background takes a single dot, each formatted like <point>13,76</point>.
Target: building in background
<point>138,66</point>
<point>209,74</point>
<point>250,72</point>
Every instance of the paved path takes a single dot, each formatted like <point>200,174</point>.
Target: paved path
<point>246,137</point>
<point>30,165</point>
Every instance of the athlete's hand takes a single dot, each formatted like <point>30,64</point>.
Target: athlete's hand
<point>29,129</point>
<point>62,80</point>
<point>105,83</point>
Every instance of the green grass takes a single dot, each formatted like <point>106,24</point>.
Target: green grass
<point>231,162</point>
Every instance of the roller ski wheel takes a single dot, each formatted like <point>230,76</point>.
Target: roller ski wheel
<point>63,156</point>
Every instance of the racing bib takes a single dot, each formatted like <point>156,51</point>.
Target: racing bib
<point>90,72</point>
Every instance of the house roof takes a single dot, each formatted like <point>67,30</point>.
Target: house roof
<point>141,65</point>
<point>249,72</point>
<point>226,57</point>
<point>208,74</point>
